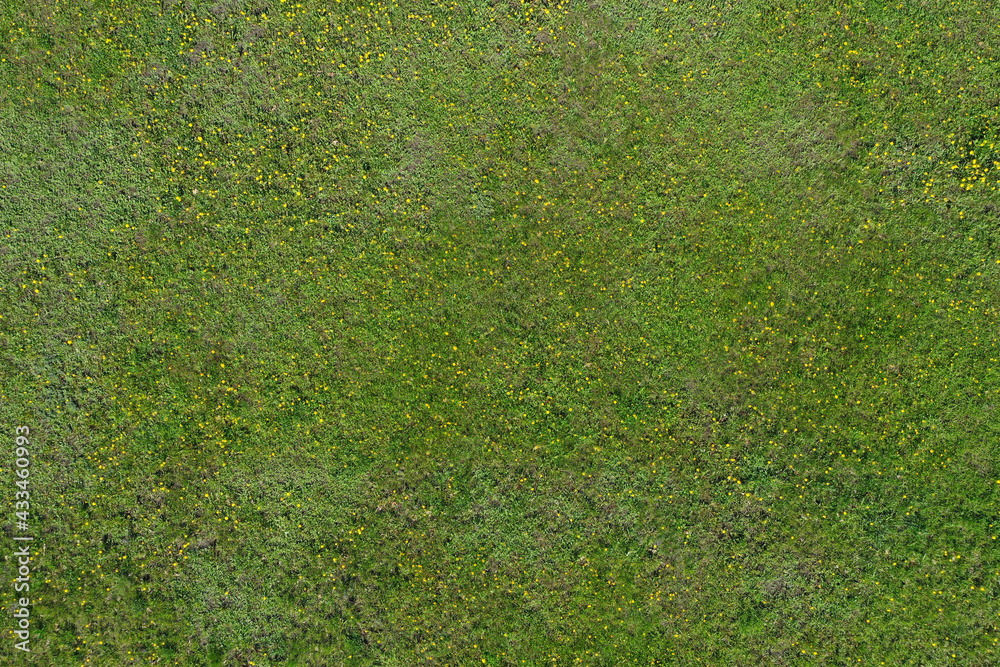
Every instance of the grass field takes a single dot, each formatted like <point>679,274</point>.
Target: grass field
<point>502,333</point>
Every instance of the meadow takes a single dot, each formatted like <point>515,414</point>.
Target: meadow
<point>502,332</point>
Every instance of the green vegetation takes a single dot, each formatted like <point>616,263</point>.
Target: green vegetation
<point>503,333</point>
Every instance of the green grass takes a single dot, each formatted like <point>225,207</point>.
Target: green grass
<point>503,333</point>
